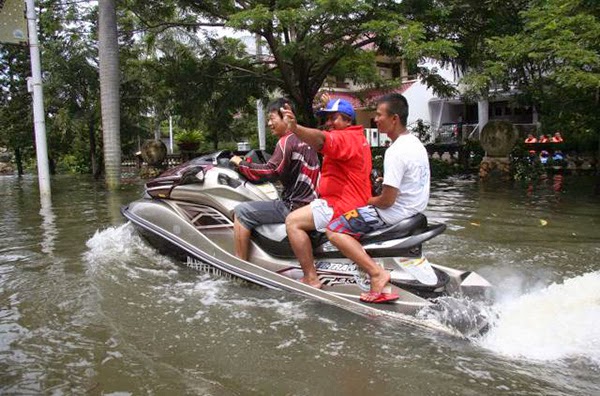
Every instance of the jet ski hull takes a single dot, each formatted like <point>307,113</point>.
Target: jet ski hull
<point>204,240</point>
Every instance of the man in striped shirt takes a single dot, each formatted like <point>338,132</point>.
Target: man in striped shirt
<point>294,163</point>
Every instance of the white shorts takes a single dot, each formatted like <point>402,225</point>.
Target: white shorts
<point>322,214</point>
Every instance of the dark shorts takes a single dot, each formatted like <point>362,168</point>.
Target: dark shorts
<point>254,214</point>
<point>357,222</point>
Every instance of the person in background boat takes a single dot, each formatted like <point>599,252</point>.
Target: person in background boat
<point>530,139</point>
<point>344,183</point>
<point>543,139</point>
<point>558,156</point>
<point>557,138</point>
<point>294,163</point>
<point>544,155</point>
<point>406,179</point>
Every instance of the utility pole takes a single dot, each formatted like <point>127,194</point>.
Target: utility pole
<point>34,84</point>
<point>260,110</point>
<point>171,133</point>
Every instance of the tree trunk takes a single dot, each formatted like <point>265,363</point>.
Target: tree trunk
<point>19,161</point>
<point>51,166</point>
<point>215,141</point>
<point>108,50</point>
<point>598,153</point>
<point>598,133</point>
<point>92,135</point>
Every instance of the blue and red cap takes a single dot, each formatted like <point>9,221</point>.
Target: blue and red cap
<point>338,106</point>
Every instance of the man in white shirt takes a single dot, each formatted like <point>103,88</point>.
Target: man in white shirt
<point>406,178</point>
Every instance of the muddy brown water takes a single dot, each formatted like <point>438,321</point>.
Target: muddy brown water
<point>87,307</point>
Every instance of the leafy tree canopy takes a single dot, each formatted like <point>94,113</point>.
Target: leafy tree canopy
<point>308,39</point>
<point>553,62</point>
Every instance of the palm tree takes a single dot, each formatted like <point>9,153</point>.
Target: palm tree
<point>108,48</point>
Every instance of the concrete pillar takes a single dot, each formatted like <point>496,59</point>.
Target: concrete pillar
<point>482,114</point>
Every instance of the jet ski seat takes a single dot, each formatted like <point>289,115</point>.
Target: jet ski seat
<point>273,237</point>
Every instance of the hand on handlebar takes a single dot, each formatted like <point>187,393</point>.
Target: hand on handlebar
<point>236,159</point>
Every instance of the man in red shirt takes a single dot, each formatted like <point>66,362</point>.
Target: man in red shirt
<point>345,178</point>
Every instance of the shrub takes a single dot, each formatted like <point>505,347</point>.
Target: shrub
<point>189,136</point>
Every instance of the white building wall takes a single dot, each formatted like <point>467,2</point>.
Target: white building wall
<point>418,96</point>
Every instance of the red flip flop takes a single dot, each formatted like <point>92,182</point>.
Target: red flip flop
<point>378,298</point>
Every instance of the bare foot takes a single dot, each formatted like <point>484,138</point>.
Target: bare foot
<point>379,281</point>
<point>378,293</point>
<point>312,282</point>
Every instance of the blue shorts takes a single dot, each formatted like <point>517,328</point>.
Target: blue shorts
<point>254,214</point>
<point>358,222</point>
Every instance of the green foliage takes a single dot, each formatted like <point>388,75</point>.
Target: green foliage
<point>525,167</point>
<point>16,120</point>
<point>441,169</point>
<point>475,153</point>
<point>71,163</point>
<point>216,88</point>
<point>188,136</point>
<point>548,51</point>
<point>310,40</point>
<point>553,61</point>
<point>70,86</point>
<point>466,24</point>
<point>421,130</point>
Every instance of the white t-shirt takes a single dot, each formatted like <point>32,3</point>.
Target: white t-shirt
<point>406,167</point>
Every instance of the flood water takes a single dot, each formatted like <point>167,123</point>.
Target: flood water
<point>87,307</point>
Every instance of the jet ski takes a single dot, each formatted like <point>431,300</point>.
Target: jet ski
<point>187,213</point>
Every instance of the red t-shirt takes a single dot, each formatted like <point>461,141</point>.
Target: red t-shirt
<point>345,174</point>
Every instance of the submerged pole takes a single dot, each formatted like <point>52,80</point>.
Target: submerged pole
<point>35,86</point>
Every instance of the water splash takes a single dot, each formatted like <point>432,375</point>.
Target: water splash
<point>122,247</point>
<point>462,315</point>
<point>557,322</point>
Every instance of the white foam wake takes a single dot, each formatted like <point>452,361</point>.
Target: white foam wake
<point>122,246</point>
<point>557,322</point>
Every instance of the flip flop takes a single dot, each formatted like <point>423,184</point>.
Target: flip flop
<point>378,298</point>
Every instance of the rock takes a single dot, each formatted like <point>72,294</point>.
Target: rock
<point>5,156</point>
<point>446,157</point>
<point>154,152</point>
<point>586,165</point>
<point>6,168</point>
<point>498,138</point>
<point>493,166</point>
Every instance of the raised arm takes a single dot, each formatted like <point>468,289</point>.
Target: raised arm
<point>311,136</point>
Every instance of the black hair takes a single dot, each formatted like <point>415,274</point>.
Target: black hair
<point>277,104</point>
<point>397,104</point>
